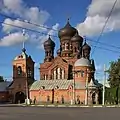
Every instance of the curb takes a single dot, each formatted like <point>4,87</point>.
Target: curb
<point>24,105</point>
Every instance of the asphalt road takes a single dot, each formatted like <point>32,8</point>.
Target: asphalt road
<point>42,113</point>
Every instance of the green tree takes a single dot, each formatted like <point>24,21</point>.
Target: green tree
<point>114,77</point>
<point>114,73</point>
<point>1,79</point>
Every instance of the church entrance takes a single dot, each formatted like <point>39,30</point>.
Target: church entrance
<point>19,97</point>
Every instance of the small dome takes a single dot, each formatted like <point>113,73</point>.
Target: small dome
<point>82,62</point>
<point>49,42</point>
<point>77,37</point>
<point>86,46</point>
<point>68,30</point>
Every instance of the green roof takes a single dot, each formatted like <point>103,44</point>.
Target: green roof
<point>51,84</point>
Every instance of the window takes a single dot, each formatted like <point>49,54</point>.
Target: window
<point>60,73</point>
<point>82,73</point>
<point>62,99</point>
<point>56,73</point>
<point>48,98</point>
<point>19,70</point>
<point>29,72</point>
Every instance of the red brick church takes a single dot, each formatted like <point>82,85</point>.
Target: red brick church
<point>65,78</point>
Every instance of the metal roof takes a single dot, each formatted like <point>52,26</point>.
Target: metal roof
<point>4,85</point>
<point>51,84</point>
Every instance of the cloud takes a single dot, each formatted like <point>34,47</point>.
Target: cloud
<point>51,32</point>
<point>97,14</point>
<point>19,8</point>
<point>34,15</point>
<point>13,38</point>
<point>22,11</point>
<point>12,25</point>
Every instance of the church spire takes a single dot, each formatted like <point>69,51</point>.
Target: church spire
<point>23,33</point>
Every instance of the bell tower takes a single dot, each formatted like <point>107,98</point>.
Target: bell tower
<point>23,76</point>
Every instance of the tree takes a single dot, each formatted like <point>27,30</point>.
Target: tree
<point>1,79</point>
<point>114,76</point>
<point>114,73</point>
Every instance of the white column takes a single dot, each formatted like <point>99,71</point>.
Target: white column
<point>58,73</point>
<point>54,74</point>
<point>45,77</point>
<point>62,73</point>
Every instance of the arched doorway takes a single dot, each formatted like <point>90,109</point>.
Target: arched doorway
<point>93,98</point>
<point>19,97</point>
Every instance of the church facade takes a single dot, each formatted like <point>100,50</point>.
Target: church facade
<point>67,77</point>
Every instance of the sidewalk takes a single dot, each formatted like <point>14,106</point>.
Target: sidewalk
<point>51,105</point>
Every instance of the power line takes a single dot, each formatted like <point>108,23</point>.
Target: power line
<point>57,37</point>
<point>105,25</point>
<point>26,28</point>
<point>102,43</point>
<point>106,49</point>
<point>42,26</point>
<point>28,22</point>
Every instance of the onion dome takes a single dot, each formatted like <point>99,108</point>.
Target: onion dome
<point>67,31</point>
<point>49,42</point>
<point>76,38</point>
<point>82,62</point>
<point>86,46</point>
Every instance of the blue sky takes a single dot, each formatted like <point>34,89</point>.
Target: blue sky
<point>88,16</point>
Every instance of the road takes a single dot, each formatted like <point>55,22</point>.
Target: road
<point>42,113</point>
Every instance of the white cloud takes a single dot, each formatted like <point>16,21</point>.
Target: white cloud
<point>28,14</point>
<point>97,14</point>
<point>51,32</point>
<point>12,39</point>
<point>11,25</point>
<point>19,8</point>
<point>34,15</point>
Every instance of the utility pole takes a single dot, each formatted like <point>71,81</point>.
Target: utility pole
<point>27,87</point>
<point>86,94</point>
<point>73,97</point>
<point>104,81</point>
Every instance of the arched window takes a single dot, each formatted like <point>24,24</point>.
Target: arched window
<point>48,98</point>
<point>19,70</point>
<point>60,73</point>
<point>82,73</point>
<point>62,99</point>
<point>56,73</point>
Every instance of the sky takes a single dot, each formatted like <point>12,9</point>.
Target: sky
<point>87,16</point>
